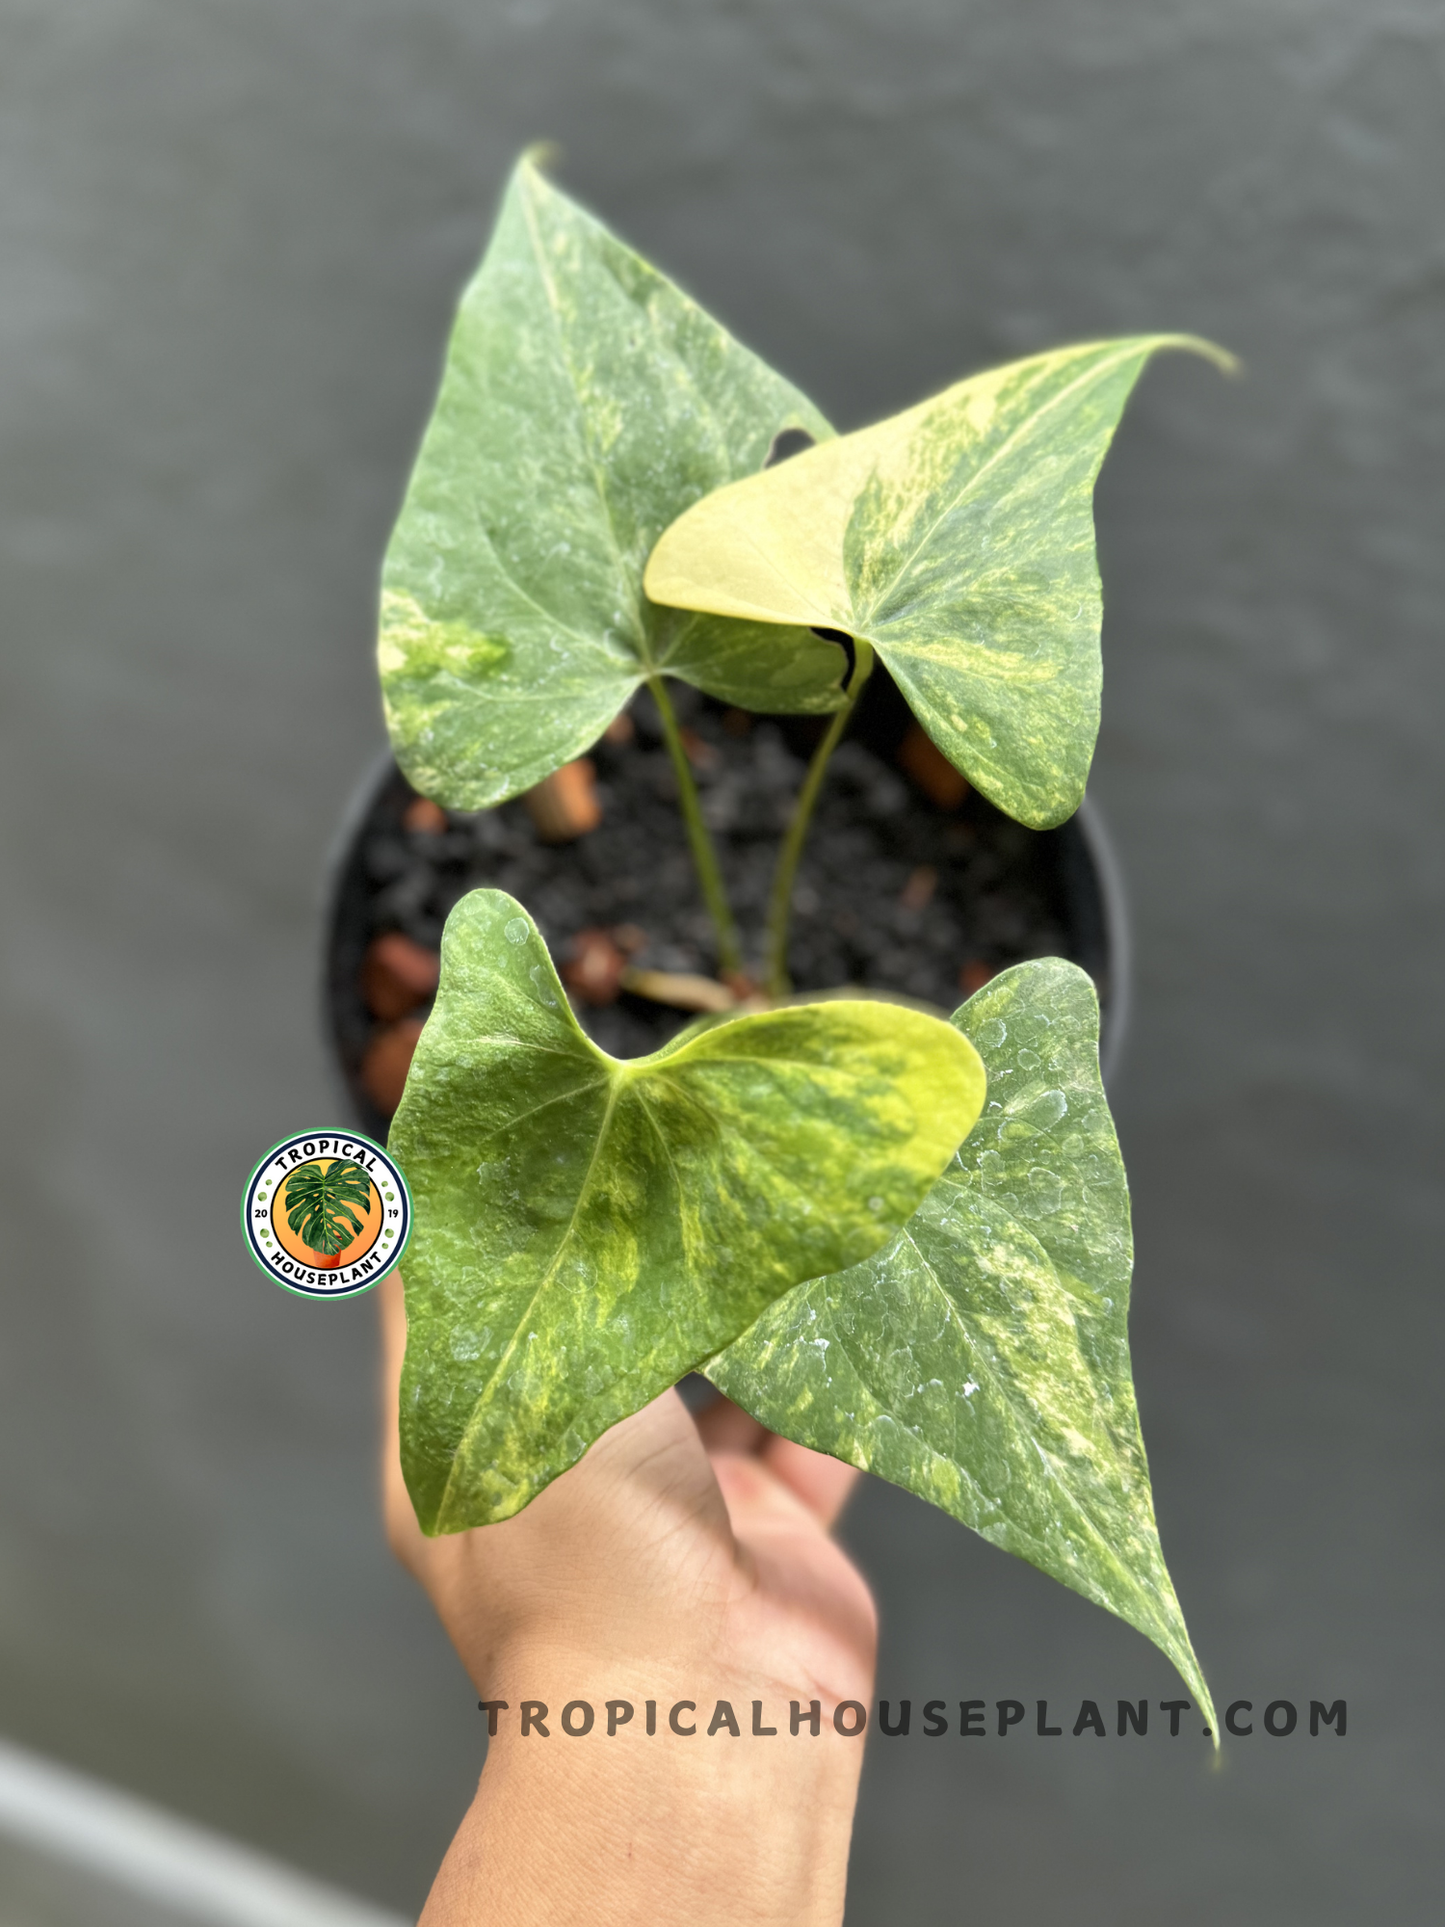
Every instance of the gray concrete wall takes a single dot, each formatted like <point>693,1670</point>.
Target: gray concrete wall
<point>229,237</point>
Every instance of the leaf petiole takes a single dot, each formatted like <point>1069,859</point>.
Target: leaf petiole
<point>780,903</point>
<point>704,856</point>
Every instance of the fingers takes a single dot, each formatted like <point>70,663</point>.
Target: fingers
<point>725,1427</point>
<point>821,1483</point>
<point>402,1531</point>
<point>642,1474</point>
<point>391,1304</point>
<point>824,1485</point>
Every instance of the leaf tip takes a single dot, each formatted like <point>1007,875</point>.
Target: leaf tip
<point>1223,359</point>
<point>544,157</point>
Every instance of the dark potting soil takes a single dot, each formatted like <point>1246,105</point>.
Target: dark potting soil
<point>893,892</point>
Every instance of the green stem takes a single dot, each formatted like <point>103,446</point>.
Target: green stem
<point>729,949</point>
<point>780,905</point>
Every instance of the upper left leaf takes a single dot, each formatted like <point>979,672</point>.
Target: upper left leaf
<point>586,402</point>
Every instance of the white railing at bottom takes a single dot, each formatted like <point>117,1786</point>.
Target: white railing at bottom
<point>75,1852</point>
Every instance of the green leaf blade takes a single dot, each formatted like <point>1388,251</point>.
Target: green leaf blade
<point>753,665</point>
<point>587,1229</point>
<point>958,539</point>
<point>585,403</point>
<point>981,1359</point>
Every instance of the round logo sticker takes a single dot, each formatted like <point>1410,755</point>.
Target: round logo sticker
<point>326,1214</point>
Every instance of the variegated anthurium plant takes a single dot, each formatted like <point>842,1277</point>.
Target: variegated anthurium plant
<point>894,1238</point>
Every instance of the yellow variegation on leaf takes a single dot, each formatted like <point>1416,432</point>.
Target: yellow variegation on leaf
<point>589,1229</point>
<point>981,1358</point>
<point>585,403</point>
<point>958,540</point>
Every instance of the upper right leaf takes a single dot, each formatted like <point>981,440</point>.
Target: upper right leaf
<point>958,539</point>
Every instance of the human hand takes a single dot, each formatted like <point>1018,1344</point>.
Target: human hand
<point>678,1560</point>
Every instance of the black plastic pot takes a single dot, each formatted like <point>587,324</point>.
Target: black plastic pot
<point>1010,892</point>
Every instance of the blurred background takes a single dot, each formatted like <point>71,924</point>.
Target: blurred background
<point>231,233</point>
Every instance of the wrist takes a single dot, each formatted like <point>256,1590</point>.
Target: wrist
<point>631,1798</point>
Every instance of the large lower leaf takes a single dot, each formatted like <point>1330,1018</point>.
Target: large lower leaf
<point>958,539</point>
<point>589,1229</point>
<point>585,403</point>
<point>981,1359</point>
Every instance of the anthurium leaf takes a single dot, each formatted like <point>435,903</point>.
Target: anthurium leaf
<point>585,403</point>
<point>981,1358</point>
<point>958,539</point>
<point>588,1229</point>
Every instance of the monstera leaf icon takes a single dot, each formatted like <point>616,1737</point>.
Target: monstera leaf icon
<point>319,1201</point>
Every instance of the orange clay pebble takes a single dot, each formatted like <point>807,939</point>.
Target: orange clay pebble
<point>564,805</point>
<point>397,975</point>
<point>921,758</point>
<point>974,975</point>
<point>593,972</point>
<point>423,816</point>
<point>700,754</point>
